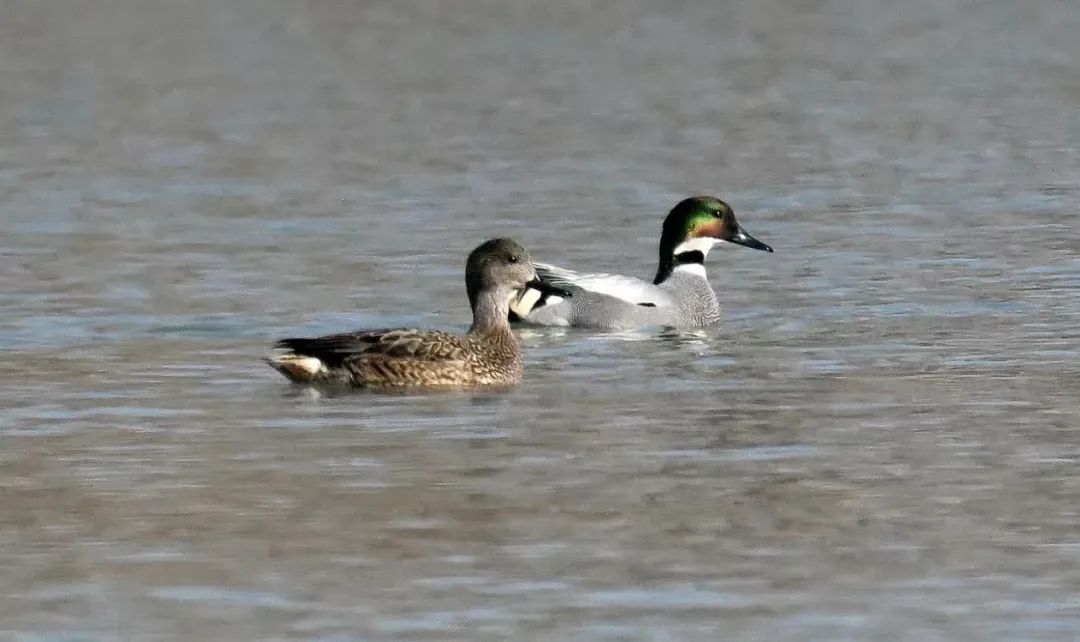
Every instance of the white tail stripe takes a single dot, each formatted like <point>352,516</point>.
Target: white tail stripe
<point>294,363</point>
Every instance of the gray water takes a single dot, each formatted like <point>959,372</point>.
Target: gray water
<point>879,443</point>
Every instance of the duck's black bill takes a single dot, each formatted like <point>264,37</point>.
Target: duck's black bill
<point>543,287</point>
<point>744,239</point>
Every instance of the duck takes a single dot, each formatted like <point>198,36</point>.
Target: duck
<point>487,355</point>
<point>679,296</point>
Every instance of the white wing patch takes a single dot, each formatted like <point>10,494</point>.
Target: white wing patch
<point>523,302</point>
<point>629,289</point>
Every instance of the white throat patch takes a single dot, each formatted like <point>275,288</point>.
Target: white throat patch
<point>696,269</point>
<point>700,244</point>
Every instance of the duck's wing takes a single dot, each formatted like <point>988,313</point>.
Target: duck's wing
<point>598,301</point>
<point>375,357</point>
<point>625,288</point>
<point>334,350</point>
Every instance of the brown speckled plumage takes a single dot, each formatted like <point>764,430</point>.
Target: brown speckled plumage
<point>410,358</point>
<point>488,354</point>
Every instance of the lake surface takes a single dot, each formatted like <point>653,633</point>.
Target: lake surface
<point>881,442</point>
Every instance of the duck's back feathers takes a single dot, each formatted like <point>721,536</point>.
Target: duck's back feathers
<point>604,301</point>
<point>626,288</point>
<point>334,349</point>
<point>397,358</point>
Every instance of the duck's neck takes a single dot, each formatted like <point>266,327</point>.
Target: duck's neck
<point>688,256</point>
<point>491,313</point>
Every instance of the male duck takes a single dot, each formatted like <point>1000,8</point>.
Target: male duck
<point>488,354</point>
<point>680,296</point>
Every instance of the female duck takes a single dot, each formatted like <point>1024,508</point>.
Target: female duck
<point>488,354</point>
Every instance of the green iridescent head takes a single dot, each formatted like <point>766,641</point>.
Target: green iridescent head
<point>693,227</point>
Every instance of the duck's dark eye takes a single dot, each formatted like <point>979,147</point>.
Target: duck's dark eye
<point>513,258</point>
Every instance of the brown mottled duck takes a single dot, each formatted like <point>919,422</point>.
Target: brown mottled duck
<point>488,354</point>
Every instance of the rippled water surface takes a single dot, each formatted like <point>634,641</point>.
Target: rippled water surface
<point>881,442</point>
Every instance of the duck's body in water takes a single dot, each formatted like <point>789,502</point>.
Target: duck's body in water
<point>679,296</point>
<point>488,354</point>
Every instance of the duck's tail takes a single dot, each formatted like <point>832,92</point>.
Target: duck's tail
<point>298,368</point>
